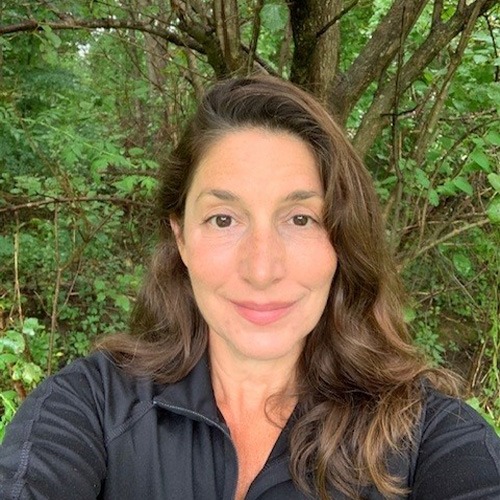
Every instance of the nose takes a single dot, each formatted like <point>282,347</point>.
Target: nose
<point>262,257</point>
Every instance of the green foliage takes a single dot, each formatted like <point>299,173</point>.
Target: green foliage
<point>70,263</point>
<point>86,115</point>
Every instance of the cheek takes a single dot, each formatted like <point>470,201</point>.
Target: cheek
<point>208,264</point>
<point>316,263</point>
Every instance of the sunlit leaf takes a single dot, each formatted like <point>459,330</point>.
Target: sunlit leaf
<point>464,185</point>
<point>495,181</point>
<point>481,159</point>
<point>462,264</point>
<point>493,211</point>
<point>12,341</point>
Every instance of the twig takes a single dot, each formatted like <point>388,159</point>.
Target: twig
<point>396,144</point>
<point>436,13</point>
<point>336,18</point>
<point>17,288</point>
<point>495,48</point>
<point>429,128</point>
<point>255,34</point>
<point>32,25</point>
<point>55,297</point>
<point>103,199</point>
<point>449,236</point>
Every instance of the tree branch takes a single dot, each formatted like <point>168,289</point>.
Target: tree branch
<point>376,55</point>
<point>315,58</point>
<point>449,236</point>
<point>72,23</point>
<point>336,18</point>
<point>377,115</point>
<point>437,12</point>
<point>255,34</point>
<point>103,199</point>
<point>495,47</point>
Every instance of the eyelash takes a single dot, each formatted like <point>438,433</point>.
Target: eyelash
<point>308,219</point>
<point>213,220</point>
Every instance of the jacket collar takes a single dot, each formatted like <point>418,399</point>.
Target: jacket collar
<point>193,393</point>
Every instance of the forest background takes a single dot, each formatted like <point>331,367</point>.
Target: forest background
<point>93,94</point>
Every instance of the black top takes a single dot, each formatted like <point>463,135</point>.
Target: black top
<point>94,432</point>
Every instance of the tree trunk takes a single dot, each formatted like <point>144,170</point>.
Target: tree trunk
<point>316,55</point>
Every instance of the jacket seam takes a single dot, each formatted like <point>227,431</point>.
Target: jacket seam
<point>130,422</point>
<point>19,476</point>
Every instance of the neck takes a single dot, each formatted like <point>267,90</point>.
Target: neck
<point>243,386</point>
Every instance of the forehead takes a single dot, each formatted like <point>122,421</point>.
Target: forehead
<point>253,158</point>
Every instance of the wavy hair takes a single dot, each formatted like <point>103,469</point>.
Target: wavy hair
<point>360,379</point>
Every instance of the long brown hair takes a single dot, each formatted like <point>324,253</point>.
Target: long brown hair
<point>360,393</point>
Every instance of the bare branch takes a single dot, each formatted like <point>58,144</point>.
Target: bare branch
<point>72,23</point>
<point>315,59</point>
<point>437,13</point>
<point>376,55</point>
<point>449,236</point>
<point>227,26</point>
<point>52,201</point>
<point>336,18</point>
<point>375,118</point>
<point>255,33</point>
<point>495,47</point>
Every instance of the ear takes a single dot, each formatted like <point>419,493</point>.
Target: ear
<point>179,237</point>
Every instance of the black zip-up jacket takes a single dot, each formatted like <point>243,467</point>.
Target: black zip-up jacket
<point>94,432</point>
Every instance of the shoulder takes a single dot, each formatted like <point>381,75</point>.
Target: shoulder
<point>442,410</point>
<point>68,422</point>
<point>91,391</point>
<point>458,451</point>
<point>117,395</point>
<point>454,418</point>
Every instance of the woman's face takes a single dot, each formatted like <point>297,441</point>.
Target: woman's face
<point>259,259</point>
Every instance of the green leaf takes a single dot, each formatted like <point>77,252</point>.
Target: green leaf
<point>433,197</point>
<point>28,373</point>
<point>464,185</point>
<point>481,159</point>
<point>149,184</point>
<point>8,399</point>
<point>12,341</point>
<point>493,137</point>
<point>274,16</point>
<point>447,189</point>
<point>136,152</point>
<point>493,211</point>
<point>409,314</point>
<point>495,181</point>
<point>6,248</point>
<point>127,184</point>
<point>8,357</point>
<point>421,178</point>
<point>30,326</point>
<point>51,36</point>
<point>99,164</point>
<point>123,302</point>
<point>99,284</point>
<point>462,264</point>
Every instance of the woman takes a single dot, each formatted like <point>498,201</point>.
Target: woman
<point>268,357</point>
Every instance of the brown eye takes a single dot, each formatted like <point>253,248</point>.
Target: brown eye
<point>301,220</point>
<point>222,220</point>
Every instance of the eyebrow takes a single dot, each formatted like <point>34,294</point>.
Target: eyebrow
<point>302,195</point>
<point>222,194</point>
<point>219,193</point>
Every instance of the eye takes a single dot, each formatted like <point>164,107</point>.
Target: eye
<point>301,220</point>
<point>221,221</point>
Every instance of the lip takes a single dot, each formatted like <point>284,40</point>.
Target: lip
<point>263,314</point>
